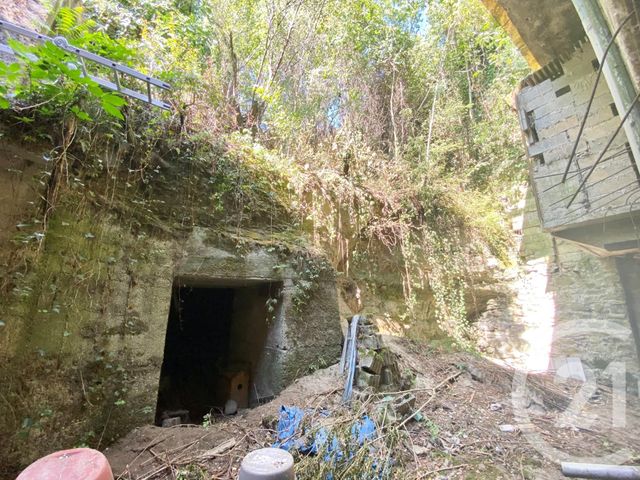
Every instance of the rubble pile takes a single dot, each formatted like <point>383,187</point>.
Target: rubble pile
<point>377,366</point>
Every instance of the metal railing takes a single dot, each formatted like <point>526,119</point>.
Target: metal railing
<point>119,71</point>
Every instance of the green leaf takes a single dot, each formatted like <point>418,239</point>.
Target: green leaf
<point>95,90</point>
<point>74,74</point>
<point>4,103</point>
<point>114,100</point>
<point>112,110</point>
<point>38,73</point>
<point>18,47</point>
<point>81,114</point>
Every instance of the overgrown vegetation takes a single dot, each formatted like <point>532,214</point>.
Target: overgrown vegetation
<point>381,129</point>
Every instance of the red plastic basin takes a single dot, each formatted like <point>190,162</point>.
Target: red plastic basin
<point>75,464</point>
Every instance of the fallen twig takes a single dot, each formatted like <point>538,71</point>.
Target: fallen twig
<point>222,449</point>
<point>219,450</point>
<point>433,395</point>
<point>443,469</point>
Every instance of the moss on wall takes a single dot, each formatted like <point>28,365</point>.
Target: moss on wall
<point>80,336</point>
<point>86,322</point>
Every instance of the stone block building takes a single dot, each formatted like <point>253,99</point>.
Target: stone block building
<point>580,121</point>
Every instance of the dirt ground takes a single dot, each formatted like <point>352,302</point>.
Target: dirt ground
<point>472,426</point>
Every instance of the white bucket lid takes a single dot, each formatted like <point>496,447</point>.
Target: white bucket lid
<point>267,464</point>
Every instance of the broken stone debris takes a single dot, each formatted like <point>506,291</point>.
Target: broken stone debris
<point>405,404</point>
<point>420,450</point>
<point>395,409</point>
<point>371,342</point>
<point>377,365</point>
<point>476,374</point>
<point>386,376</point>
<point>171,422</point>
<point>371,362</point>
<point>389,358</point>
<point>171,418</point>
<point>377,369</point>
<point>365,379</point>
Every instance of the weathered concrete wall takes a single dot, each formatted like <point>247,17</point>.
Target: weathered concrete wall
<point>84,334</point>
<point>251,342</point>
<point>561,302</point>
<point>542,34</point>
<point>84,337</point>
<point>550,114</point>
<point>308,301</point>
<point>629,270</point>
<point>17,169</point>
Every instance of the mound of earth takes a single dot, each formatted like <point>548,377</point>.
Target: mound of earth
<point>470,424</point>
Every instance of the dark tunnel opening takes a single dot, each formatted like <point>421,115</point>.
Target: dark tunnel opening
<point>214,344</point>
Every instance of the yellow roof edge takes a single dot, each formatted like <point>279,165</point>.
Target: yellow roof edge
<point>502,17</point>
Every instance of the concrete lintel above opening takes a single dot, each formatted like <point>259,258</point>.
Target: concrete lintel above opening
<point>202,258</point>
<point>222,281</point>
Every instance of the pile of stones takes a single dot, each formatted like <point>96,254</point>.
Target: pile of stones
<point>377,366</point>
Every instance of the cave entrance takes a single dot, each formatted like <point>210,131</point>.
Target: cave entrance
<point>215,348</point>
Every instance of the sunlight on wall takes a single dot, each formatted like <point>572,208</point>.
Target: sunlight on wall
<point>538,316</point>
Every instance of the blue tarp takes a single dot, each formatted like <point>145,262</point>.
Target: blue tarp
<point>288,428</point>
<point>363,430</point>
<point>289,435</point>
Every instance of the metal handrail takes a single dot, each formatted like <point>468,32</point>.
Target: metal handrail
<point>117,68</point>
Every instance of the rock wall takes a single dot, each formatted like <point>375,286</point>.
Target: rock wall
<point>84,328</point>
<point>26,13</point>
<point>17,169</point>
<point>561,301</point>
